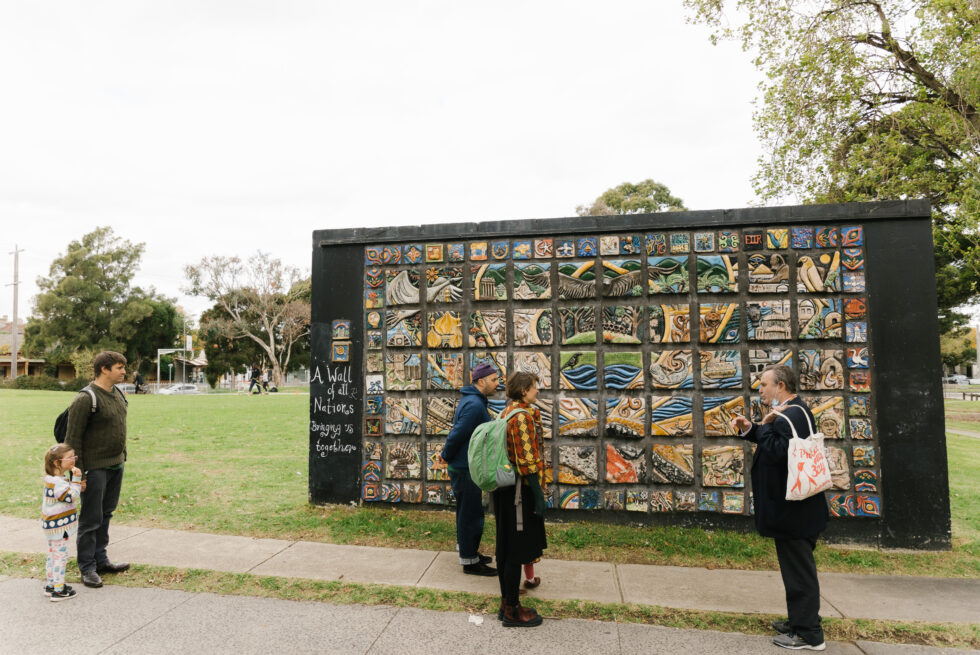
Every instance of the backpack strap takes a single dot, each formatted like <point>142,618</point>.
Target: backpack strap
<point>514,412</point>
<point>91,394</point>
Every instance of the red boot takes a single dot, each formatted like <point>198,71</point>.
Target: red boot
<point>516,616</point>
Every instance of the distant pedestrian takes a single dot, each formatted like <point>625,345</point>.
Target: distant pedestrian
<point>255,379</point>
<point>470,412</point>
<point>99,441</point>
<point>59,512</point>
<point>794,525</point>
<point>519,510</point>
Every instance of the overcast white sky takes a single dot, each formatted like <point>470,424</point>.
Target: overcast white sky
<point>211,127</point>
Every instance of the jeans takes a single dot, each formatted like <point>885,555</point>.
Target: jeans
<point>469,515</point>
<point>99,501</point>
<point>799,572</point>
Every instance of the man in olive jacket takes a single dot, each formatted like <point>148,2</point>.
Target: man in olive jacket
<point>99,442</point>
<point>794,525</point>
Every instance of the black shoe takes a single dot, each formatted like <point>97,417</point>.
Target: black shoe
<point>479,569</point>
<point>520,617</point>
<point>782,627</point>
<point>91,579</point>
<point>795,642</point>
<point>64,594</point>
<point>485,559</point>
<point>109,567</point>
<point>49,589</point>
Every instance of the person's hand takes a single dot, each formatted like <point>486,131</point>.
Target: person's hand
<point>741,424</point>
<point>75,473</point>
<point>82,486</point>
<point>770,417</point>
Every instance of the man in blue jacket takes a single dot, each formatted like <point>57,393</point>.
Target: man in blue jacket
<point>470,412</point>
<point>793,524</point>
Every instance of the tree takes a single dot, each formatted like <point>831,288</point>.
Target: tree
<point>958,348</point>
<point>646,197</point>
<point>262,300</point>
<point>871,100</point>
<point>226,355</point>
<point>87,303</point>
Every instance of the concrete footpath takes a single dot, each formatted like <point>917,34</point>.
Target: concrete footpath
<point>373,629</point>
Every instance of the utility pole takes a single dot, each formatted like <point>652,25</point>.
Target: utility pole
<point>13,325</point>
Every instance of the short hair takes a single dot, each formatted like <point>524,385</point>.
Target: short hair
<point>107,359</point>
<point>518,384</point>
<point>783,374</point>
<point>54,453</point>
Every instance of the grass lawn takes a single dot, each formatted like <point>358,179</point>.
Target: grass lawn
<point>238,465</point>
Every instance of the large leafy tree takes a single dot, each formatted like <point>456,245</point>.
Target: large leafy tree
<point>226,354</point>
<point>87,303</point>
<point>260,300</point>
<point>871,100</point>
<point>646,197</point>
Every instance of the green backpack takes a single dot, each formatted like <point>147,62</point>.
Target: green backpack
<point>487,454</point>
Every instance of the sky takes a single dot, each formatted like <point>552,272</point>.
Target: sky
<point>223,128</point>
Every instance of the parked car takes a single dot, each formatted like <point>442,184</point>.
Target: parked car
<point>179,389</point>
<point>126,387</point>
<point>956,379</point>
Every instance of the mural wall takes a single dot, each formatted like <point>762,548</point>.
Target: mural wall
<point>646,345</point>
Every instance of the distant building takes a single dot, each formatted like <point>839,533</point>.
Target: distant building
<point>25,365</point>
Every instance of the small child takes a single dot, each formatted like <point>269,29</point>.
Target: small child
<point>531,581</point>
<point>58,515</point>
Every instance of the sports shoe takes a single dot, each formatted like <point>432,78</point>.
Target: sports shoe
<point>782,627</point>
<point>64,594</point>
<point>795,642</point>
<point>485,559</point>
<point>49,589</point>
<point>518,616</point>
<point>479,569</point>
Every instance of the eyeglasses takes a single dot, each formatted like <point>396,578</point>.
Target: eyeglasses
<point>65,459</point>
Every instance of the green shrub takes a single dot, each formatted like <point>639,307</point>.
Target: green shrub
<point>36,382</point>
<point>76,384</point>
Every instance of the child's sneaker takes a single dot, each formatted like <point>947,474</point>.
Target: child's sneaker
<point>64,594</point>
<point>48,589</point>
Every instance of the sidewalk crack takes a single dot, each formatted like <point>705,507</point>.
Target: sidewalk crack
<point>275,554</point>
<point>619,584</point>
<point>431,562</point>
<point>835,608</point>
<point>189,598</point>
<point>383,630</point>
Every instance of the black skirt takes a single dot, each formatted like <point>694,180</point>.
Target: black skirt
<point>527,545</point>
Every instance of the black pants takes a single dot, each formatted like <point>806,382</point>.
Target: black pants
<point>99,501</point>
<point>509,576</point>
<point>799,572</point>
<point>469,515</point>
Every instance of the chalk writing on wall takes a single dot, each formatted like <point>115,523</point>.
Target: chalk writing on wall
<point>333,401</point>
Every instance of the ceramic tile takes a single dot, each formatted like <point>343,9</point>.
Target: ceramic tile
<point>680,243</point>
<point>719,322</point>
<point>382,255</point>
<point>435,495</point>
<point>578,370</point>
<point>867,506</point>
<point>374,278</point>
<point>854,282</point>
<point>614,499</point>
<point>391,492</point>
<point>577,465</point>
<point>857,357</point>
<point>578,417</point>
<point>721,369</point>
<point>479,251</point>
<point>403,461</point>
<point>859,428</point>
<point>537,363</point>
<point>719,412</point>
<point>728,241</point>
<point>858,406</point>
<point>370,492</point>
<point>852,259</point>
<point>404,328</point>
<point>855,308</point>
<point>827,237</point>
<point>374,383</point>
<point>859,381</point>
<point>828,412</point>
<point>626,418</point>
<point>435,252</point>
<point>375,339</point>
<point>822,369</point>
<point>768,272</point>
<point>717,273</point>
<point>622,278</point>
<point>500,249</point>
<point>439,412</point>
<point>840,475</point>
<point>819,318</point>
<point>777,238</point>
<point>340,351</point>
<point>671,416</point>
<point>544,248</point>
<point>637,500</point>
<point>374,319</point>
<point>564,248</point>
<point>532,281</point>
<point>444,371</point>
<point>609,245</point>
<point>568,498</point>
<point>672,464</point>
<point>672,369</point>
<point>732,502</point>
<point>661,501</point>
<point>412,253</point>
<point>587,247</point>
<point>819,273</point>
<point>403,371</point>
<point>371,471</point>
<point>622,324</point>
<point>445,330</point>
<point>723,466</point>
<point>753,239</point>
<point>760,358</point>
<point>489,282</point>
<point>374,298</point>
<point>374,405</point>
<point>841,505</point>
<point>374,450</point>
<point>444,283</point>
<point>656,244</point>
<point>631,245</point>
<point>403,415</point>
<point>623,370</point>
<point>625,464</point>
<point>488,329</point>
<point>532,327</point>
<point>864,456</point>
<point>546,407</point>
<point>768,320</point>
<point>758,410</point>
<point>523,249</point>
<point>576,325</point>
<point>374,362</point>
<point>667,275</point>
<point>455,253</point>
<point>670,323</point>
<point>851,236</point>
<point>704,242</point>
<point>411,492</point>
<point>801,238</point>
<point>856,332</point>
<point>433,450</point>
<point>373,426</point>
<point>576,280</point>
<point>686,501</point>
<point>402,287</point>
<point>865,481</point>
<point>709,501</point>
<point>496,359</point>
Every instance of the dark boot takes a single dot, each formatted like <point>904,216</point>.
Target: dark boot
<point>516,616</point>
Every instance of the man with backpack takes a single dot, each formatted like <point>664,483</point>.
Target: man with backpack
<point>793,524</point>
<point>99,440</point>
<point>470,412</point>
